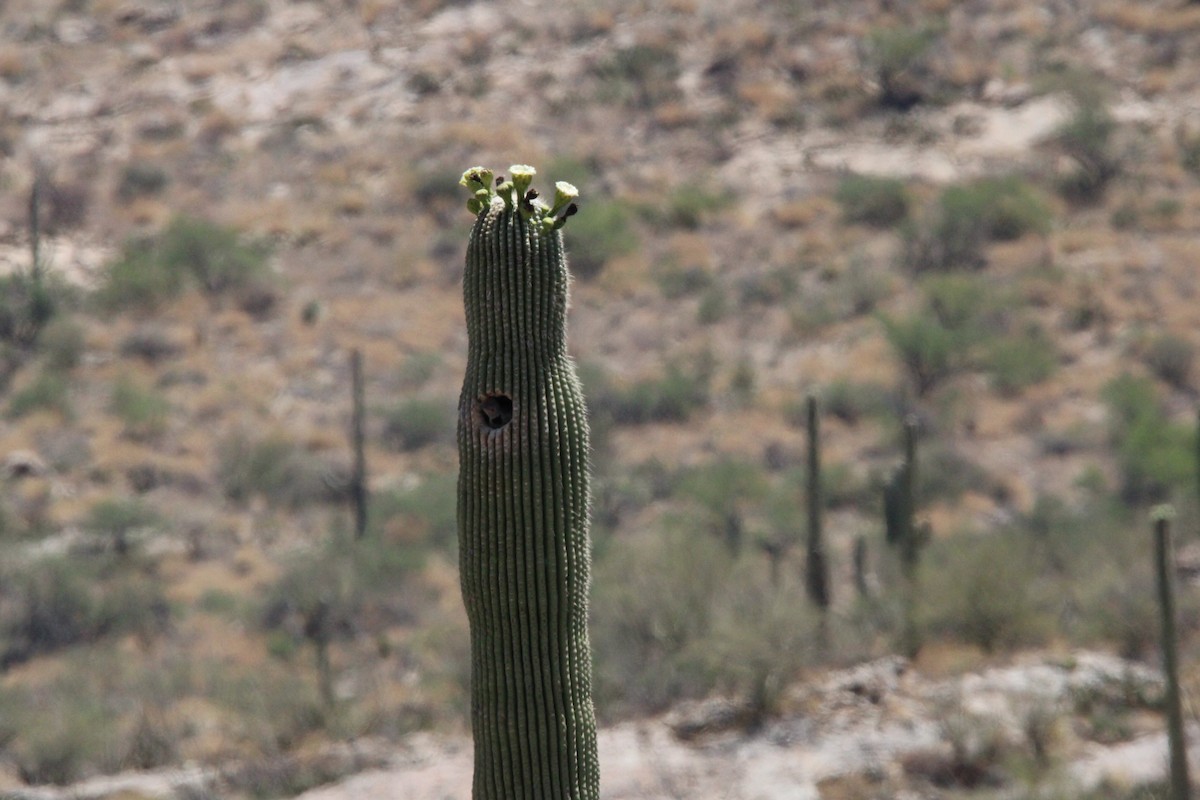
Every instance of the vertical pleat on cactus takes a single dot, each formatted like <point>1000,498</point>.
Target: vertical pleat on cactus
<point>523,502</point>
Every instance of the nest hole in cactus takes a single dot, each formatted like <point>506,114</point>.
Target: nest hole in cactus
<point>494,411</point>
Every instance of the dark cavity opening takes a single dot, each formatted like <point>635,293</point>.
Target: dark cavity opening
<point>494,410</point>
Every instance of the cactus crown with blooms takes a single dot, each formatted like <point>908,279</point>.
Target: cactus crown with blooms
<point>515,192</point>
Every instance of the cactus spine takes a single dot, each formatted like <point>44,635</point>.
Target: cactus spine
<point>523,502</point>
<point>1164,562</point>
<point>816,568</point>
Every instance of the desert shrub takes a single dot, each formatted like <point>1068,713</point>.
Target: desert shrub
<point>723,491</point>
<point>272,467</point>
<point>140,180</point>
<point>150,343</point>
<point>63,747</point>
<point>848,401</point>
<point>417,369</point>
<point>769,287</point>
<point>418,422</point>
<point>1189,152</point>
<point>672,396</point>
<point>1021,360</point>
<point>360,583</point>
<point>600,232</point>
<point>144,412</point>
<point>419,515</point>
<point>60,344</point>
<point>1155,455</point>
<point>115,519</point>
<point>929,352</point>
<point>761,634</point>
<point>714,304</point>
<point>48,391</point>
<point>685,206</point>
<point>966,303</point>
<point>651,609</point>
<point>1086,137</point>
<point>151,271</point>
<point>966,217</point>
<point>983,590</point>
<point>214,255</point>
<point>675,281</point>
<point>60,602</point>
<point>138,279</point>
<point>641,76</point>
<point>26,306</point>
<point>899,59</point>
<point>1170,357</point>
<point>878,202</point>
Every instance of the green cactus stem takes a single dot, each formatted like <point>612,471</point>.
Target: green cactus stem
<point>358,481</point>
<point>523,503</point>
<point>902,532</point>
<point>1164,563</point>
<point>816,567</point>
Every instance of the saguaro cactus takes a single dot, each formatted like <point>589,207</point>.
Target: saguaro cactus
<point>1164,564</point>
<point>903,533</point>
<point>523,502</point>
<point>816,567</point>
<point>358,481</point>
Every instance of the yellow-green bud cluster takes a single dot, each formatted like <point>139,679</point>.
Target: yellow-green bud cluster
<point>515,192</point>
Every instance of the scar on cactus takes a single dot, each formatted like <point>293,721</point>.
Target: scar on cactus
<point>524,553</point>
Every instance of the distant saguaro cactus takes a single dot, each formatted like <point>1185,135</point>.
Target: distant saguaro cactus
<point>1164,563</point>
<point>816,567</point>
<point>903,533</point>
<point>358,481</point>
<point>523,502</point>
<point>35,227</point>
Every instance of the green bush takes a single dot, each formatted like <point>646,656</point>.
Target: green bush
<point>140,180</point>
<point>641,76</point>
<point>1087,139</point>
<point>60,602</point>
<point>419,422</point>
<point>651,610</point>
<point>214,255</point>
<point>1022,360</point>
<point>966,217</point>
<point>275,468</point>
<point>899,58</point>
<point>686,206</point>
<point>144,412</point>
<point>1156,455</point>
<point>1170,357</point>
<point>878,202</point>
<point>849,401</point>
<point>361,582</point>
<point>672,397</point>
<point>965,303</point>
<point>421,514</point>
<point>139,279</point>
<point>1189,153</point>
<point>600,232</point>
<point>768,288</point>
<point>48,390</point>
<point>675,281</point>
<point>26,306</point>
<point>151,271</point>
<point>115,519</point>
<point>983,590</point>
<point>929,352</point>
<point>60,344</point>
